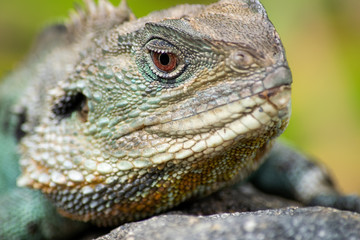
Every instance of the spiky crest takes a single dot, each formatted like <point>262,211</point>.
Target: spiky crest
<point>97,16</point>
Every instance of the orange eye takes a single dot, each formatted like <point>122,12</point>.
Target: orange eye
<point>166,62</point>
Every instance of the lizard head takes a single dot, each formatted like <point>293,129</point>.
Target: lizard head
<point>157,110</point>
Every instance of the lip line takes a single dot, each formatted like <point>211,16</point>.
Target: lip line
<point>147,123</point>
<point>271,90</point>
<point>160,128</point>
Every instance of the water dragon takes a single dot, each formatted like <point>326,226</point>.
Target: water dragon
<point>117,119</point>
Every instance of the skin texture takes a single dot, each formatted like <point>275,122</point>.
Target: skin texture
<point>152,112</point>
<point>119,118</point>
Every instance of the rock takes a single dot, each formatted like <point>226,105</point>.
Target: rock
<point>288,223</point>
<point>286,220</point>
<point>237,198</point>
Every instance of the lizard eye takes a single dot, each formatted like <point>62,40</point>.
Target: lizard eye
<point>166,62</point>
<point>164,59</point>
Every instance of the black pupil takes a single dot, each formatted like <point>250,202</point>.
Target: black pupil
<point>164,59</point>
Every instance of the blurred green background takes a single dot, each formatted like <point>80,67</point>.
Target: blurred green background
<point>322,39</point>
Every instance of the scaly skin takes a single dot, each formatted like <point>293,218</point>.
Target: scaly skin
<point>114,137</point>
<point>111,130</point>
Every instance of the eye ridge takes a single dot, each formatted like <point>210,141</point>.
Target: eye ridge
<point>166,62</point>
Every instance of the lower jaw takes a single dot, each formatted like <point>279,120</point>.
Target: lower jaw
<point>188,179</point>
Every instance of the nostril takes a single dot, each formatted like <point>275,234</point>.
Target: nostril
<point>241,59</point>
<point>68,104</point>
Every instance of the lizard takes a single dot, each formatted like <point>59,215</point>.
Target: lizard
<point>117,119</point>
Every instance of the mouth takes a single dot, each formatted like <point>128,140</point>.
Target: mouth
<point>242,116</point>
<point>264,108</point>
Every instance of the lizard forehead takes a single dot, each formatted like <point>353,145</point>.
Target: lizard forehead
<point>238,24</point>
<point>234,21</point>
<point>242,23</point>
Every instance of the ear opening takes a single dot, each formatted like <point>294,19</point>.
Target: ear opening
<point>19,132</point>
<point>68,104</point>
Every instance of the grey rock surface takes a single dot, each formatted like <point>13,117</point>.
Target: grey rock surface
<point>238,212</point>
<point>288,223</point>
<point>237,198</point>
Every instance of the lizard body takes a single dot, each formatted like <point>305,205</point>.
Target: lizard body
<point>121,118</point>
<point>115,137</point>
